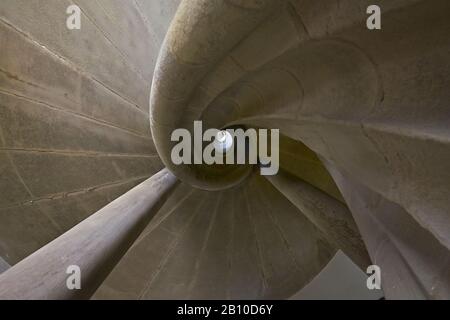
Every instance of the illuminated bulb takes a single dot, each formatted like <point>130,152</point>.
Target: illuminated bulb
<point>223,141</point>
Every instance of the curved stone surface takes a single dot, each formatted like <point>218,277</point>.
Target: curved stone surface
<point>363,117</point>
<point>243,243</point>
<point>371,104</point>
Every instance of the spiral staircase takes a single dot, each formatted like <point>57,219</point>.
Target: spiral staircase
<point>87,176</point>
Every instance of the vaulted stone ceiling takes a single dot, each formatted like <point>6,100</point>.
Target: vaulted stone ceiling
<point>363,116</point>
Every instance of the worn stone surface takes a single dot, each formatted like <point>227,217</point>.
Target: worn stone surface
<point>373,104</point>
<point>414,263</point>
<point>326,213</point>
<point>94,246</point>
<point>243,243</point>
<point>74,127</point>
<point>370,105</point>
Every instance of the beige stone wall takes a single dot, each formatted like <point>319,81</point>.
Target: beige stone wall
<point>74,129</point>
<point>368,106</point>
